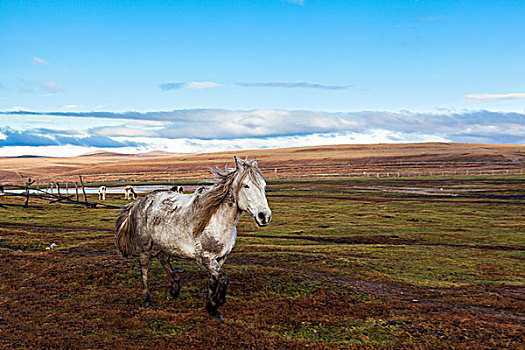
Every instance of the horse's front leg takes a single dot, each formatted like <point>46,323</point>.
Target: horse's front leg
<point>217,287</point>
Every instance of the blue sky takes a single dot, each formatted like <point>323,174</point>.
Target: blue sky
<point>199,76</point>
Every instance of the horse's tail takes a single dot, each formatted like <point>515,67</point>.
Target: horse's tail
<point>125,229</point>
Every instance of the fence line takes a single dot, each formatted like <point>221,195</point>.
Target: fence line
<point>47,193</point>
<point>52,184</point>
<point>33,192</point>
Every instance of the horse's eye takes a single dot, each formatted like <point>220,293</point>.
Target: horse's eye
<point>246,186</point>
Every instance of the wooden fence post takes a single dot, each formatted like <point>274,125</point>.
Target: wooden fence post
<point>83,189</point>
<point>76,189</point>
<point>28,185</point>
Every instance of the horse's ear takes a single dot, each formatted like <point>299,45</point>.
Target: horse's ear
<point>238,163</point>
<point>254,163</point>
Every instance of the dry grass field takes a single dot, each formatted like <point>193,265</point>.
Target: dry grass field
<point>341,160</point>
<point>434,262</point>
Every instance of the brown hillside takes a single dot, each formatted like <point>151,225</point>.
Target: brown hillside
<point>339,160</point>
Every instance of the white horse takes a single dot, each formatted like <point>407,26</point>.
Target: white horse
<point>102,193</point>
<point>177,189</point>
<point>129,192</point>
<point>200,226</point>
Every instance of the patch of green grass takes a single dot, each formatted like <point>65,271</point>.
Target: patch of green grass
<point>164,328</point>
<point>359,332</point>
<point>338,267</point>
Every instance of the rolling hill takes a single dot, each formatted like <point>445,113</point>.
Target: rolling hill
<point>334,160</point>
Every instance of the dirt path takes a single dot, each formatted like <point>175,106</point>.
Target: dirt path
<point>387,240</point>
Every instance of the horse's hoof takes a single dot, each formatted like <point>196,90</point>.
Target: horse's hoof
<point>147,304</point>
<point>216,314</point>
<point>174,293</point>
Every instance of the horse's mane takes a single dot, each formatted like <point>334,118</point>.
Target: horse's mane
<point>206,204</point>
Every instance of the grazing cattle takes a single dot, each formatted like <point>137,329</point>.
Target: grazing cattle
<point>200,226</point>
<point>102,193</point>
<point>129,193</point>
<point>177,189</point>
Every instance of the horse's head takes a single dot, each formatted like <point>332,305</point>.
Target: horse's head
<point>251,191</point>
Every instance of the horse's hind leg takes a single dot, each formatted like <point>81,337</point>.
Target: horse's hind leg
<point>173,277</point>
<point>144,260</point>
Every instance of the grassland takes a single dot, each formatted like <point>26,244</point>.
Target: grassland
<point>425,263</point>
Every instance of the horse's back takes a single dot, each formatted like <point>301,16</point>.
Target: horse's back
<point>163,216</point>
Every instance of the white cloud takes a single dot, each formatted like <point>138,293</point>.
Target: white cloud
<point>203,130</point>
<point>494,97</point>
<point>149,123</point>
<point>191,145</point>
<point>509,129</point>
<point>271,84</point>
<point>39,121</point>
<point>46,151</point>
<point>124,131</point>
<point>225,124</point>
<point>288,85</point>
<point>71,107</point>
<point>201,85</point>
<point>18,109</point>
<point>189,85</point>
<point>51,87</point>
<point>37,61</point>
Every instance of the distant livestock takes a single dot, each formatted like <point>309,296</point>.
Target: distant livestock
<point>129,193</point>
<point>102,193</point>
<point>178,189</point>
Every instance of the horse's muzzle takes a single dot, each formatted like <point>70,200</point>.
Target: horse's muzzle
<point>263,218</point>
